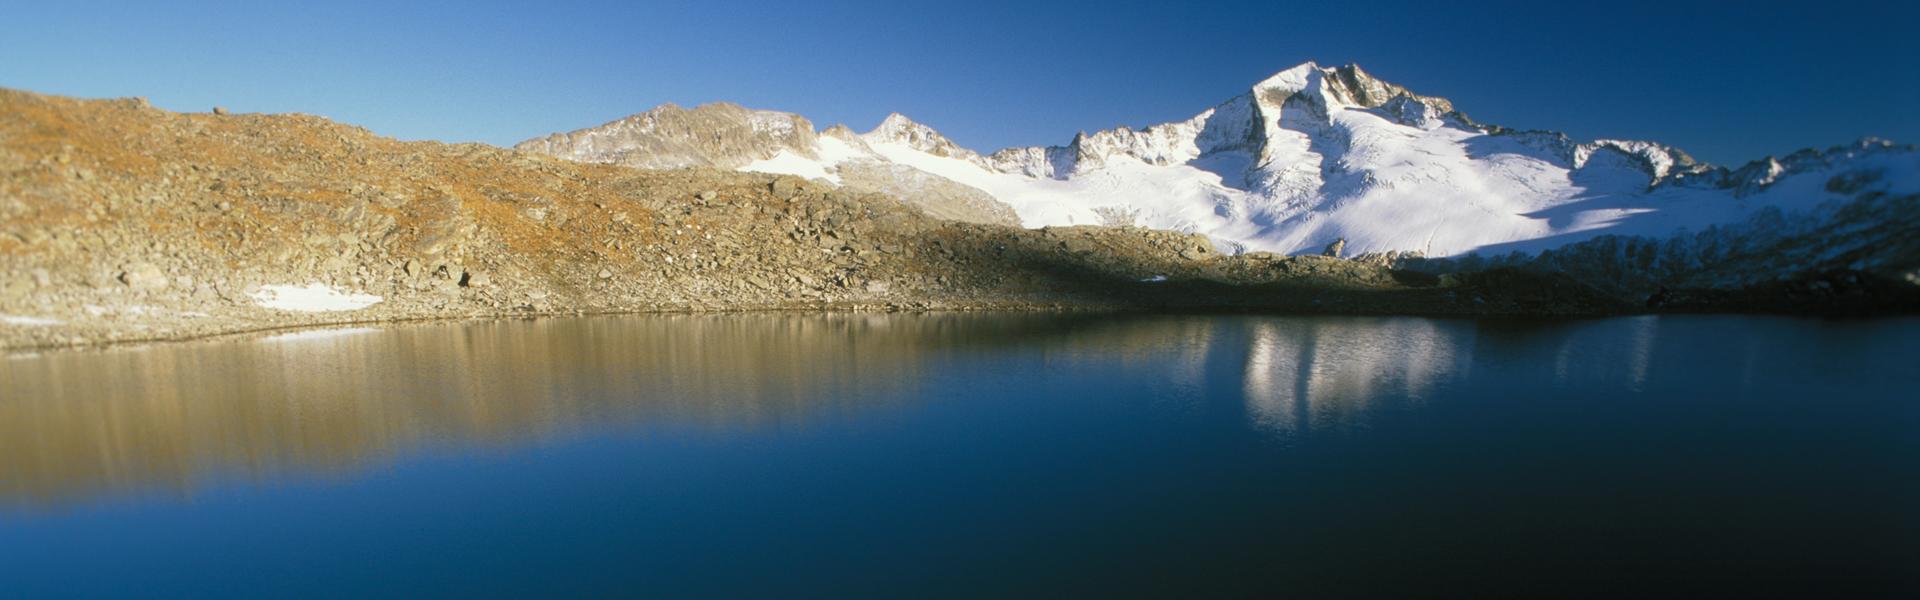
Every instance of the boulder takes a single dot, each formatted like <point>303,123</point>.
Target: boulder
<point>783,188</point>
<point>144,276</point>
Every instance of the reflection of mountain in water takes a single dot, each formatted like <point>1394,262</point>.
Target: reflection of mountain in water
<point>1304,374</point>
<point>173,416</point>
<point>164,416</point>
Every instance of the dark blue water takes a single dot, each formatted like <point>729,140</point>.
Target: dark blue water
<point>776,456</point>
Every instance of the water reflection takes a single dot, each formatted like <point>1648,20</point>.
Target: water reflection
<point>902,452</point>
<point>1314,374</point>
<point>1620,349</point>
<point>171,417</point>
<point>76,424</point>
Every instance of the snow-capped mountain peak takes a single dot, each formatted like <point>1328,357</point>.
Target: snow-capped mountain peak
<point>1346,86</point>
<point>1298,160</point>
<point>898,129</point>
<point>1303,77</point>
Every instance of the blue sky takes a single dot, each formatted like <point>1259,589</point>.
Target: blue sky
<point>1727,81</point>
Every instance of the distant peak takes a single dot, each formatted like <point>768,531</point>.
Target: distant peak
<point>897,128</point>
<point>1344,85</point>
<point>1302,68</point>
<point>899,123</point>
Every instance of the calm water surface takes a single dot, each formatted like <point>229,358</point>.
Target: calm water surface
<point>776,456</point>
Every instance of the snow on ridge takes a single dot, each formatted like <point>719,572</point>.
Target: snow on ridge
<point>1293,80</point>
<point>786,162</point>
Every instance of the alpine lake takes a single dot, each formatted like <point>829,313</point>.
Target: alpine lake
<point>910,455</point>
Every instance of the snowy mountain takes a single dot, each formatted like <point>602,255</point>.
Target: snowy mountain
<point>1306,157</point>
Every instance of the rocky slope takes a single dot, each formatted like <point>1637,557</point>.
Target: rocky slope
<point>728,136</point>
<point>119,222</point>
<point>1315,155</point>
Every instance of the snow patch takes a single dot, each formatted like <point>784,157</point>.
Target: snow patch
<point>788,163</point>
<point>835,151</point>
<point>313,297</point>
<point>29,321</point>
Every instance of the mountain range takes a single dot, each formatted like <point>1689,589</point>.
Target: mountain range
<point>120,221</point>
<point>1301,160</point>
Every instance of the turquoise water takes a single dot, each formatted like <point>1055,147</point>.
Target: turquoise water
<point>969,455</point>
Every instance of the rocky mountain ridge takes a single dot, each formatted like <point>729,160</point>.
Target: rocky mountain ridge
<point>728,136</point>
<point>120,222</point>
<point>1317,154</point>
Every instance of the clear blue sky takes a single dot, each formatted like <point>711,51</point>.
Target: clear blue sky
<point>1729,81</point>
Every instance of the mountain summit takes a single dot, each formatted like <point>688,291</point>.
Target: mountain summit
<point>1307,157</point>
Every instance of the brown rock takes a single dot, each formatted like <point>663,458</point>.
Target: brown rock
<point>783,188</point>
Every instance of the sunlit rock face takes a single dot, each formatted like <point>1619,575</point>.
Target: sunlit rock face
<point>712,135</point>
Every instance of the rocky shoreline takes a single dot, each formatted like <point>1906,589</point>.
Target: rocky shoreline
<point>120,222</point>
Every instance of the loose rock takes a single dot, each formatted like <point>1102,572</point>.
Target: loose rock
<point>144,276</point>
